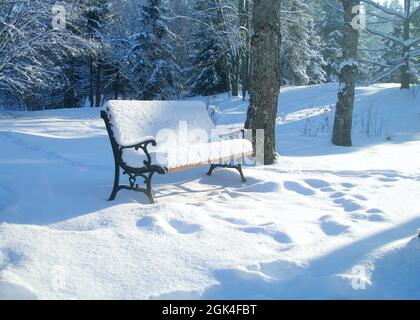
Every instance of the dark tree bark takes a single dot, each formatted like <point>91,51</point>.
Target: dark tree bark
<point>69,95</point>
<point>116,86</point>
<point>265,44</point>
<point>236,72</point>
<point>91,93</point>
<point>98,85</point>
<point>405,73</point>
<point>229,72</point>
<point>243,8</point>
<point>348,73</point>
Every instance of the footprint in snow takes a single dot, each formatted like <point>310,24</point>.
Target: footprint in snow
<point>277,235</point>
<point>375,215</point>
<point>146,222</point>
<point>388,179</point>
<point>332,226</point>
<point>183,227</point>
<point>360,197</point>
<point>236,221</point>
<point>337,195</point>
<point>153,223</point>
<point>317,183</point>
<point>262,187</point>
<point>347,185</point>
<point>10,257</point>
<point>298,188</point>
<point>347,204</point>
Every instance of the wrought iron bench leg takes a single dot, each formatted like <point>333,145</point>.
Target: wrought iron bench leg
<point>115,189</point>
<point>212,167</point>
<point>237,167</point>
<point>135,187</point>
<point>149,191</point>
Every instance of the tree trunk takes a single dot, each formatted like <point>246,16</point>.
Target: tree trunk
<point>236,73</point>
<point>265,44</point>
<point>348,74</point>
<point>92,69</point>
<point>405,71</point>
<point>98,92</point>
<point>244,76</point>
<point>243,21</point>
<point>248,53</point>
<point>229,77</point>
<point>70,96</point>
<point>116,86</point>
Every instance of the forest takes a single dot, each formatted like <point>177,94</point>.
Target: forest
<point>82,53</point>
<point>209,150</point>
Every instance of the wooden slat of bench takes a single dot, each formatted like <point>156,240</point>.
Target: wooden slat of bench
<point>196,165</point>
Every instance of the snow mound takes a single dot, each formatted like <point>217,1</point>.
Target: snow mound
<point>14,288</point>
<point>396,270</point>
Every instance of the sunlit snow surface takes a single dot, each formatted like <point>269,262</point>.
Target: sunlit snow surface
<point>323,222</point>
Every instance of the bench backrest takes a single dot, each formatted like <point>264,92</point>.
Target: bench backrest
<point>132,120</point>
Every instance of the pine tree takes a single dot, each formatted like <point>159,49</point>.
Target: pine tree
<point>330,24</point>
<point>403,36</point>
<point>84,75</point>
<point>34,55</point>
<point>301,49</point>
<point>392,53</point>
<point>97,12</point>
<point>154,65</point>
<point>210,59</point>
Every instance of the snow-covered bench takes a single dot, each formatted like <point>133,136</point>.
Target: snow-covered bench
<point>149,137</point>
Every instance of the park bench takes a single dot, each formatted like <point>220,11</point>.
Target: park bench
<point>163,137</point>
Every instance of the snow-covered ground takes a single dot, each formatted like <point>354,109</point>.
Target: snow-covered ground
<point>323,222</point>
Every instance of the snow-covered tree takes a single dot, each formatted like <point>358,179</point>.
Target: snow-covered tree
<point>401,45</point>
<point>343,119</point>
<point>211,59</point>
<point>154,67</point>
<point>302,62</point>
<point>96,14</point>
<point>262,111</point>
<point>32,51</point>
<point>330,25</point>
<point>85,73</point>
<point>181,23</point>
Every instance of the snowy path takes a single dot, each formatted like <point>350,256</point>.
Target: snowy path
<point>296,229</point>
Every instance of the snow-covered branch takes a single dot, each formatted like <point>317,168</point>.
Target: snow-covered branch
<point>385,9</point>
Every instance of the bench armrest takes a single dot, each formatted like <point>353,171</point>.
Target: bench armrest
<point>141,141</point>
<point>238,133</point>
<point>143,146</point>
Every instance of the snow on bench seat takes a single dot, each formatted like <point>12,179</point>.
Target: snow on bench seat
<point>133,121</point>
<point>136,121</point>
<point>194,155</point>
